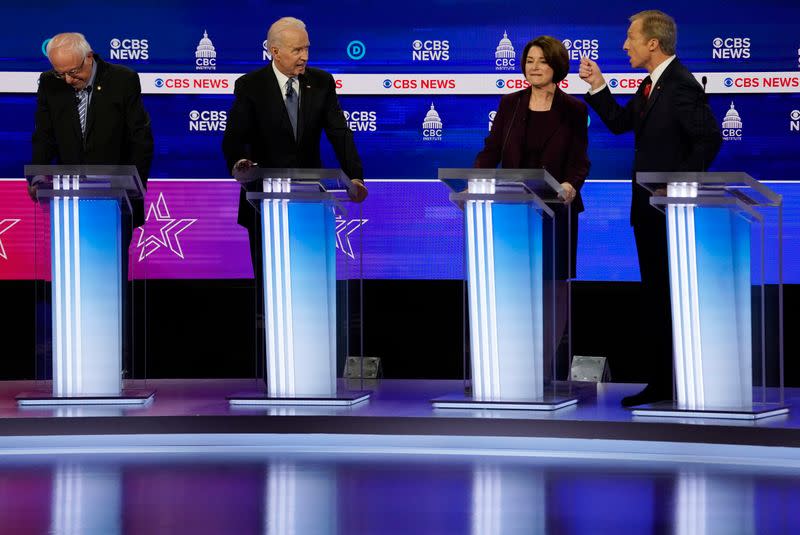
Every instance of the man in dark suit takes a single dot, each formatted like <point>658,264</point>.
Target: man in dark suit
<point>675,130</point>
<point>280,112</point>
<point>91,112</point>
<point>276,121</point>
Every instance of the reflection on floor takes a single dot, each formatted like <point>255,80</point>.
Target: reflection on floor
<point>349,494</point>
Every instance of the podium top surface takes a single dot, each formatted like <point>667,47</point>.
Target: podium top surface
<point>329,179</point>
<point>735,184</point>
<point>124,177</point>
<point>537,181</point>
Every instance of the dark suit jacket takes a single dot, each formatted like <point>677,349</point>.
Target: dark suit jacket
<point>259,128</point>
<point>117,125</point>
<point>564,155</point>
<point>675,129</point>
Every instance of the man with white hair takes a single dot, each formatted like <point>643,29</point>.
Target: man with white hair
<point>276,121</point>
<point>91,112</point>
<point>280,112</point>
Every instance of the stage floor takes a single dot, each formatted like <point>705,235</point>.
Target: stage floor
<point>193,415</point>
<point>190,463</point>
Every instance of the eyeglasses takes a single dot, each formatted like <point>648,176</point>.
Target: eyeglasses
<point>72,73</point>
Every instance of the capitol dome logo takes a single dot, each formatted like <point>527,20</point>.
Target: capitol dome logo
<point>205,57</point>
<point>432,126</point>
<point>505,58</point>
<point>732,125</point>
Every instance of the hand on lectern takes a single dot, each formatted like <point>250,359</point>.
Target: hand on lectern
<point>242,168</point>
<point>33,187</point>
<point>357,191</point>
<point>569,193</point>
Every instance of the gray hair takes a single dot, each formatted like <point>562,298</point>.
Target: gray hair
<point>69,41</point>
<point>658,25</point>
<point>281,25</point>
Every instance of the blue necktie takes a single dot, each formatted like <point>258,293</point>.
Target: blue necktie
<point>83,105</point>
<point>291,104</point>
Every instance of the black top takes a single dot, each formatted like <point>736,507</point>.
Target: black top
<point>540,126</point>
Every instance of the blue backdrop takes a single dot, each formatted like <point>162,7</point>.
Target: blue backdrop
<point>399,41</point>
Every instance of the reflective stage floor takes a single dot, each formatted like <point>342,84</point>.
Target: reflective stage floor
<point>321,494</point>
<point>189,463</point>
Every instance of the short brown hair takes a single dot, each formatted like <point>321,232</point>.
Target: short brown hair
<point>555,55</point>
<point>658,25</point>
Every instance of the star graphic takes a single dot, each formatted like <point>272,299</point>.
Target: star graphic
<point>167,235</point>
<point>6,224</point>
<point>344,228</point>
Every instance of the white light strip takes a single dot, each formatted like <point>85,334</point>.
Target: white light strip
<point>67,289</point>
<point>483,305</point>
<point>279,310</point>
<point>674,287</point>
<point>266,260</point>
<point>57,283</point>
<point>691,453</point>
<point>494,354</point>
<point>84,400</point>
<point>76,222</point>
<point>472,289</point>
<point>287,263</point>
<point>728,82</point>
<point>510,405</point>
<point>297,402</point>
<point>694,304</point>
<point>683,275</point>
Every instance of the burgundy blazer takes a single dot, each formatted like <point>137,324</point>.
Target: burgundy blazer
<point>564,154</point>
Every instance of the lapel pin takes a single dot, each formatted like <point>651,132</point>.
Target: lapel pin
<point>99,87</point>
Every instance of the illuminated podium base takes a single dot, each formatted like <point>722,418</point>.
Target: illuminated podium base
<point>670,409</point>
<point>126,397</point>
<point>343,398</point>
<point>550,401</point>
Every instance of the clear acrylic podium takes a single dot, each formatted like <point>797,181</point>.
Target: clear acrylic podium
<point>724,235</point>
<point>297,213</point>
<point>511,289</point>
<point>83,213</point>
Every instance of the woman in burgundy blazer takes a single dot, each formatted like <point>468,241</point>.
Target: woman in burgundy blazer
<point>543,127</point>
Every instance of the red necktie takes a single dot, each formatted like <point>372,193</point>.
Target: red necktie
<point>647,87</point>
